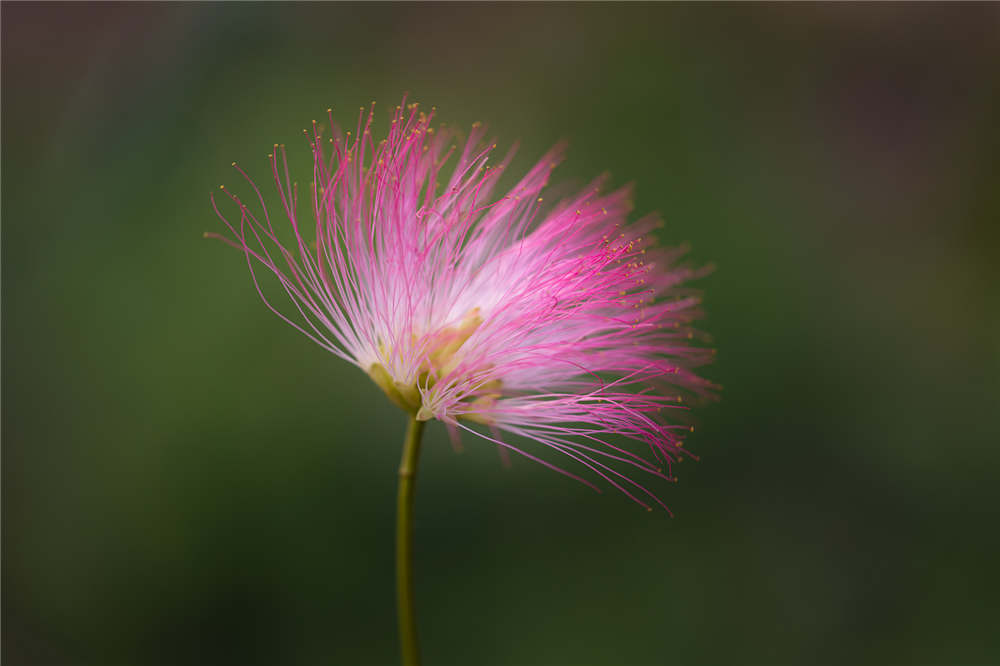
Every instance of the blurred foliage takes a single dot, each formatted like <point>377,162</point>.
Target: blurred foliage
<point>188,480</point>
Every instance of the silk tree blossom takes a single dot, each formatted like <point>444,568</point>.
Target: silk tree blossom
<point>496,314</point>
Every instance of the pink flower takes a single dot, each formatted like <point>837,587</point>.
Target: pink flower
<point>555,321</point>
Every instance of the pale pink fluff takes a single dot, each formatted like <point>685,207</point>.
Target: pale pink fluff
<point>556,321</point>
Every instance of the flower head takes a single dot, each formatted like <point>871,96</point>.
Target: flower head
<point>555,321</point>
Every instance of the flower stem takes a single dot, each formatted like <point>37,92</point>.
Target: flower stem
<point>409,646</point>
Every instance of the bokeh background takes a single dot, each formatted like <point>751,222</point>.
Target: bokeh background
<point>187,480</point>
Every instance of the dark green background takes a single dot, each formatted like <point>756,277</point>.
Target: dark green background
<point>188,480</point>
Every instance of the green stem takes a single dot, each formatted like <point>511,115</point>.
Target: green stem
<point>409,646</point>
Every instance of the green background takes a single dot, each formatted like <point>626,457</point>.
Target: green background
<point>188,480</point>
